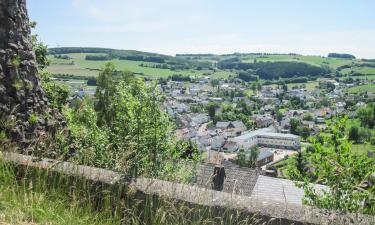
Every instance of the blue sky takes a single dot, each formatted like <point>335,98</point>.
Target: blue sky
<point>312,27</point>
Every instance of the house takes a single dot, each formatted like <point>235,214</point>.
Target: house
<point>230,147</point>
<point>231,128</point>
<point>217,142</point>
<point>263,120</point>
<point>267,138</point>
<point>264,158</point>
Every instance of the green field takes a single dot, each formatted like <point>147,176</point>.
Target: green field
<point>362,88</point>
<point>362,70</point>
<point>314,60</point>
<point>84,67</point>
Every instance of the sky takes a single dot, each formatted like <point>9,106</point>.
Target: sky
<point>309,27</point>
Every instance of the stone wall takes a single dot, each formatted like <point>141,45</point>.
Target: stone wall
<point>266,212</point>
<point>21,94</point>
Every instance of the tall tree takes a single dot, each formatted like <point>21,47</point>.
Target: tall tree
<point>253,158</point>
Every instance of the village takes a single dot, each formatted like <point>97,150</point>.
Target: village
<point>278,125</point>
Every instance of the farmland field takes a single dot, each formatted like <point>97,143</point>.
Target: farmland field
<point>362,88</point>
<point>314,60</point>
<point>84,67</point>
<point>362,70</point>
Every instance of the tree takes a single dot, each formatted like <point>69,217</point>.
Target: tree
<point>57,93</point>
<point>248,160</point>
<point>254,87</point>
<point>259,86</point>
<point>212,110</point>
<point>294,124</point>
<point>308,117</point>
<point>253,158</point>
<point>367,115</point>
<point>215,83</point>
<point>285,87</point>
<point>345,172</point>
<point>241,158</point>
<point>279,116</point>
<point>106,88</point>
<point>354,134</point>
<point>303,131</point>
<point>300,164</point>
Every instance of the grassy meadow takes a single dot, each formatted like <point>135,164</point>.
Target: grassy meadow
<point>314,60</point>
<point>84,67</point>
<point>362,88</point>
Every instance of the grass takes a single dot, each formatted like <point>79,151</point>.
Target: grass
<point>84,67</point>
<point>24,200</point>
<point>310,86</point>
<point>314,60</point>
<point>362,88</point>
<point>31,196</point>
<point>362,70</point>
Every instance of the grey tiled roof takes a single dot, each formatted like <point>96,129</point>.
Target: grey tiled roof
<point>238,180</point>
<point>281,191</point>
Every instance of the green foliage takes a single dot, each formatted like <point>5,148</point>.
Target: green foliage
<point>57,93</point>
<point>279,116</point>
<point>126,130</point>
<point>354,134</point>
<point>33,119</point>
<point>186,150</point>
<point>296,103</point>
<point>41,51</point>
<point>248,159</point>
<point>303,131</point>
<point>308,117</point>
<point>274,70</point>
<point>104,93</point>
<point>367,115</point>
<point>211,108</point>
<point>346,173</point>
<point>294,125</point>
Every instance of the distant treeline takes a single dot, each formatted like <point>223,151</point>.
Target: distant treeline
<point>258,54</point>
<point>62,57</point>
<point>274,70</point>
<point>192,55</point>
<point>155,59</point>
<point>341,55</point>
<point>67,50</point>
<point>177,63</point>
<point>180,77</point>
<point>368,60</point>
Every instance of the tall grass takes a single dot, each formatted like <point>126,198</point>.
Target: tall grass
<point>30,195</point>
